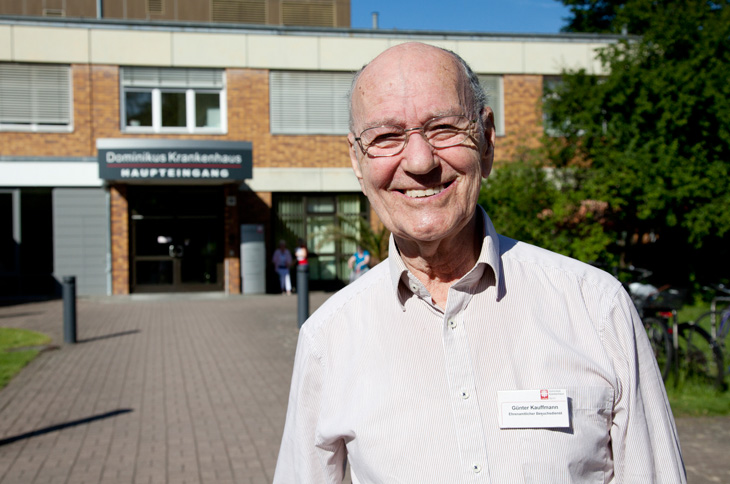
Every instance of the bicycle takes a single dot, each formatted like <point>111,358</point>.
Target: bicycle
<point>719,319</point>
<point>703,353</point>
<point>658,310</point>
<point>655,321</point>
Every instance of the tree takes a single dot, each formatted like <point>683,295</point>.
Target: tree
<point>654,134</point>
<point>546,206</point>
<point>609,16</point>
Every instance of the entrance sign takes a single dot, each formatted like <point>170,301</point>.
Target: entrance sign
<point>171,159</point>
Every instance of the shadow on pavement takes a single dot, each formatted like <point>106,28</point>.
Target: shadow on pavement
<point>107,336</point>
<point>62,426</point>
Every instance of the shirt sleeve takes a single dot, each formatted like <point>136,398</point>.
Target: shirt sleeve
<point>643,435</point>
<point>303,456</point>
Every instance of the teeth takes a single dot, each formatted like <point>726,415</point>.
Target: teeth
<point>424,193</point>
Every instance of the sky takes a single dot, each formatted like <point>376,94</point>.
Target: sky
<point>506,16</point>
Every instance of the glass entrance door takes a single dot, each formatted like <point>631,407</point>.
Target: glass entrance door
<point>179,251</point>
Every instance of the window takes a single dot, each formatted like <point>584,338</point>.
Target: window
<point>550,86</point>
<point>493,88</point>
<point>173,100</point>
<point>35,97</point>
<point>313,218</point>
<point>309,102</point>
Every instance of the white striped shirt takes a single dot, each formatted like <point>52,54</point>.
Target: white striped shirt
<point>407,391</point>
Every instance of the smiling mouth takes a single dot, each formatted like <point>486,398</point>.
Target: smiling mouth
<point>426,192</point>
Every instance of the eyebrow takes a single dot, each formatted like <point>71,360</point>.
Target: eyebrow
<point>398,122</point>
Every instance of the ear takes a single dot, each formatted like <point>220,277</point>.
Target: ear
<point>354,149</point>
<point>490,136</point>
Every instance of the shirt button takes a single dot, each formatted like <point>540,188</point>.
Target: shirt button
<point>452,324</point>
<point>476,468</point>
<point>464,394</point>
<point>414,287</point>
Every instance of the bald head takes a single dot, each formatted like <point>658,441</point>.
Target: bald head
<point>413,61</point>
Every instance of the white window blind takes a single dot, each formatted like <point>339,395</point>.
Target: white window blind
<point>492,86</point>
<point>170,77</point>
<point>309,102</point>
<point>35,94</point>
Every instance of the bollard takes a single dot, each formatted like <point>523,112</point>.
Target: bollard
<point>302,293</point>
<point>69,309</point>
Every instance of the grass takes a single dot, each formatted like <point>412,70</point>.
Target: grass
<point>690,313</point>
<point>11,362</point>
<point>697,401</point>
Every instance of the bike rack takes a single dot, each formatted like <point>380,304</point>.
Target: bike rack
<point>713,314</point>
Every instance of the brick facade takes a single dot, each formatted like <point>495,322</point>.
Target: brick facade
<point>523,119</point>
<point>96,114</point>
<point>120,239</point>
<point>232,242</point>
<point>248,119</point>
<point>75,143</point>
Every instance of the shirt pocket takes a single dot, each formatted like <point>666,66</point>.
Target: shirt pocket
<point>579,454</point>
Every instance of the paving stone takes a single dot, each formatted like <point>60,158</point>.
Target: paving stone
<point>183,389</point>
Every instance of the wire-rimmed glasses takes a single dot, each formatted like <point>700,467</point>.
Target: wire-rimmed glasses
<point>439,132</point>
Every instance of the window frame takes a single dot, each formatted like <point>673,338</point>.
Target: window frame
<point>40,127</point>
<point>190,106</point>
<point>550,82</point>
<point>496,102</point>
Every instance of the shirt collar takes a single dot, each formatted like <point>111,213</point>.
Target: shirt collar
<point>404,283</point>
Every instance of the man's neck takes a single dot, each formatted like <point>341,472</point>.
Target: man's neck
<point>438,265</point>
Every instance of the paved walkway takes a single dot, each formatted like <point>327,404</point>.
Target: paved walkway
<point>182,389</point>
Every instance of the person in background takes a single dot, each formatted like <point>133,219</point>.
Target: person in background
<point>465,356</point>
<point>301,253</point>
<point>282,261</point>
<point>359,263</point>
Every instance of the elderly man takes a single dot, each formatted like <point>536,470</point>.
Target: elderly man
<point>465,356</point>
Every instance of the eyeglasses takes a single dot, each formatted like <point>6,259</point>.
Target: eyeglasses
<point>439,132</point>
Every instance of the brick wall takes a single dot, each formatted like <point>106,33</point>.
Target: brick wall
<point>523,119</point>
<point>232,242</point>
<point>97,115</point>
<point>120,239</point>
<point>75,143</point>
<point>248,119</point>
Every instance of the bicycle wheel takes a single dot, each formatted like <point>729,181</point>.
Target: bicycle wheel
<point>701,360</point>
<point>661,343</point>
<point>705,321</point>
<point>722,322</point>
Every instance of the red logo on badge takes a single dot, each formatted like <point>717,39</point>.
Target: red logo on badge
<point>543,394</point>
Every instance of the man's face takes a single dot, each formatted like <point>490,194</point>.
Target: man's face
<point>422,194</point>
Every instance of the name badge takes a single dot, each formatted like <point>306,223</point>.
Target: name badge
<point>533,409</point>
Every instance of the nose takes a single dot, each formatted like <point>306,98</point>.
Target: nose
<point>418,155</point>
